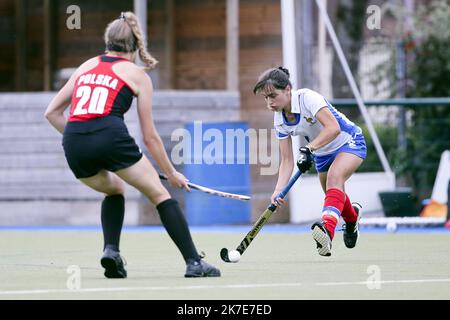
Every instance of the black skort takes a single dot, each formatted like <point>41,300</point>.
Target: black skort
<point>100,144</point>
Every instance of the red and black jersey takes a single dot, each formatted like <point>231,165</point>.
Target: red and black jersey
<point>100,92</point>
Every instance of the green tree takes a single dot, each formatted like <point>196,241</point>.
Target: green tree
<point>428,76</point>
<point>426,44</point>
<point>349,23</point>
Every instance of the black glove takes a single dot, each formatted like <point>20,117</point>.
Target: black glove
<point>305,159</point>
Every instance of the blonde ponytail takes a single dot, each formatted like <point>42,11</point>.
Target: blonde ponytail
<point>145,56</point>
<point>125,35</point>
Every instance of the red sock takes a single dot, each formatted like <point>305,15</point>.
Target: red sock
<point>332,208</point>
<point>348,213</point>
<point>330,223</point>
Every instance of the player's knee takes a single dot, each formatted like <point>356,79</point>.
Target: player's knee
<point>157,195</point>
<point>161,198</point>
<point>334,180</point>
<point>116,187</point>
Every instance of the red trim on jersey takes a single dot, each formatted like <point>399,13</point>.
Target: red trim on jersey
<point>126,84</point>
<point>95,93</point>
<point>122,58</point>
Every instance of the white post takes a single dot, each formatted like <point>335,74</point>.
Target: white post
<point>290,58</point>
<point>140,10</point>
<point>288,38</point>
<point>322,51</point>
<point>233,45</point>
<point>290,50</point>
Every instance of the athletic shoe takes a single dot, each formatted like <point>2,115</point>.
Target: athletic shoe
<point>322,237</point>
<point>351,232</point>
<point>113,264</point>
<point>197,269</point>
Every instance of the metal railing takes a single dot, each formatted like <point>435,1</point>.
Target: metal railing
<point>410,102</point>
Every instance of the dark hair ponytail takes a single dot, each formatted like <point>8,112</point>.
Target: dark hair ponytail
<point>277,78</point>
<point>284,70</point>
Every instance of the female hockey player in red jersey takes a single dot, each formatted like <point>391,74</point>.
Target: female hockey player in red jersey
<point>101,153</point>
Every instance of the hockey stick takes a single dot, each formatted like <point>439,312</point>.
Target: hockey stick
<point>212,191</point>
<point>260,223</point>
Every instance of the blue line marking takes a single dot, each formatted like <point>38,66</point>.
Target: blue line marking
<point>272,228</point>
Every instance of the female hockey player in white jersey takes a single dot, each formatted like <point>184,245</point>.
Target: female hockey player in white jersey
<point>335,144</point>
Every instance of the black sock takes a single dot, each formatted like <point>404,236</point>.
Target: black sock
<point>177,227</point>
<point>113,211</point>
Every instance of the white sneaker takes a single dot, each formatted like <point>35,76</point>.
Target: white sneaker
<point>322,238</point>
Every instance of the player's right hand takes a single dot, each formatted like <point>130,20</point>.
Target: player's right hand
<point>178,180</point>
<point>305,160</point>
<point>277,201</point>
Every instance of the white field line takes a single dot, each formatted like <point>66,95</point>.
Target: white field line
<point>231,286</point>
<point>381,282</point>
<point>160,288</point>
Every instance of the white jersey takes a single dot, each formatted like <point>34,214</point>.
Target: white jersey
<point>305,104</point>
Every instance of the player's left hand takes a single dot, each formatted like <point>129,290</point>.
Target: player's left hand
<point>305,159</point>
<point>178,180</point>
<point>277,201</point>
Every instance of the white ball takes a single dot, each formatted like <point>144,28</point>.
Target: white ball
<point>234,255</point>
<point>391,227</point>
